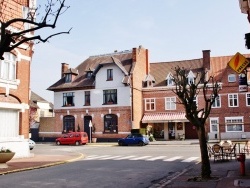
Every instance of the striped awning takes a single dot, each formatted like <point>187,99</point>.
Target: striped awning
<point>164,117</point>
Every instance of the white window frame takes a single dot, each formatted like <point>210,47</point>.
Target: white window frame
<point>170,103</point>
<point>247,98</point>
<point>234,98</point>
<point>235,122</point>
<point>217,102</point>
<point>214,123</point>
<point>231,78</point>
<point>149,102</point>
<point>8,67</point>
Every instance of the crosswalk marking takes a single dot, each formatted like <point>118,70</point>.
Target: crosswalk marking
<point>173,158</point>
<point>112,157</point>
<point>135,158</point>
<point>156,158</point>
<point>96,157</point>
<point>190,159</point>
<point>139,158</point>
<point>126,157</point>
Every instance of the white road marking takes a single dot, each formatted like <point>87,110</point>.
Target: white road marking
<point>173,158</point>
<point>126,157</point>
<point>156,158</point>
<point>139,158</point>
<point>190,159</point>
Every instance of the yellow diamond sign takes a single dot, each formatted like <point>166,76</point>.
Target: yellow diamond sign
<point>238,63</point>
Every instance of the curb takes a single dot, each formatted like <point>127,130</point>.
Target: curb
<point>43,166</point>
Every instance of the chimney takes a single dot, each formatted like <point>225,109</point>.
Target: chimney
<point>65,67</point>
<point>206,59</point>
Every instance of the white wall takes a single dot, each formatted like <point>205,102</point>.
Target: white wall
<point>96,95</point>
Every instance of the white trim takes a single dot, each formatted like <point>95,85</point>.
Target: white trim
<point>210,124</point>
<point>22,107</point>
<point>246,99</point>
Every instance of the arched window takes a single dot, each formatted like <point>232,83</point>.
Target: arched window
<point>68,124</point>
<point>110,123</point>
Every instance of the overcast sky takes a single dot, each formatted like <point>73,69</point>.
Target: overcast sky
<point>170,29</point>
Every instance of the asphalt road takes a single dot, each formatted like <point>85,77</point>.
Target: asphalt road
<point>107,166</point>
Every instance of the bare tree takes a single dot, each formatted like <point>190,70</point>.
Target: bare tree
<point>12,37</point>
<point>187,91</point>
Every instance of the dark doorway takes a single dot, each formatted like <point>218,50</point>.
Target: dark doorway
<point>86,127</point>
<point>171,130</point>
<point>190,131</point>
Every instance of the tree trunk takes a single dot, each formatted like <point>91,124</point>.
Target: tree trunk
<point>205,162</point>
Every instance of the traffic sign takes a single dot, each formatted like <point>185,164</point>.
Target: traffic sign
<point>238,63</point>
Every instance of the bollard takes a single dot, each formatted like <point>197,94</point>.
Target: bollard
<point>241,158</point>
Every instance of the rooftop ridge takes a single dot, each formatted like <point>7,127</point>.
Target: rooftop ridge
<point>114,53</point>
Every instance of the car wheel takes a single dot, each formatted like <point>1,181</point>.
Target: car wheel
<point>120,143</point>
<point>77,143</point>
<point>141,143</point>
<point>58,143</point>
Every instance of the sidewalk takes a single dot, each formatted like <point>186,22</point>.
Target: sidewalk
<point>226,174</point>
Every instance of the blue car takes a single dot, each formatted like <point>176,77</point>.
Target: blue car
<point>134,139</point>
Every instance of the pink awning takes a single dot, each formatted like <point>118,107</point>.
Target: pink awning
<point>164,117</point>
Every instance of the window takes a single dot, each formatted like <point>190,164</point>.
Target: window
<point>110,123</point>
<point>234,124</point>
<point>248,99</point>
<point>231,78</point>
<point>68,78</point>
<point>89,74</point>
<point>110,74</point>
<point>169,80</point>
<point>8,67</point>
<point>68,124</point>
<point>87,98</point>
<point>68,99</point>
<point>110,96</point>
<point>214,124</point>
<point>233,100</point>
<point>217,102</point>
<point>191,78</point>
<point>150,104</point>
<point>170,103</point>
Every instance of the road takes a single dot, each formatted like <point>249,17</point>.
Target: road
<point>108,166</point>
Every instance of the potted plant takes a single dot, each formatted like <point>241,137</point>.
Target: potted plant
<point>5,156</point>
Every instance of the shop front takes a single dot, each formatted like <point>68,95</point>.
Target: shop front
<point>168,126</point>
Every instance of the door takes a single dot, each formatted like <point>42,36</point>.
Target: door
<point>86,127</point>
<point>190,131</point>
<point>171,130</point>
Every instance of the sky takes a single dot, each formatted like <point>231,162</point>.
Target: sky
<point>171,30</point>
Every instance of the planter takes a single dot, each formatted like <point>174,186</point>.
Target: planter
<point>5,157</point>
<point>94,140</point>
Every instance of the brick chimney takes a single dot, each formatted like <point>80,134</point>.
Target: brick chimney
<point>206,59</point>
<point>65,67</point>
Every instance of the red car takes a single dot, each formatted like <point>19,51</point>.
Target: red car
<point>76,138</point>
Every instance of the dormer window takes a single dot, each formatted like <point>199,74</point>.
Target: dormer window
<point>89,74</point>
<point>109,74</point>
<point>191,78</point>
<point>169,80</point>
<point>68,78</point>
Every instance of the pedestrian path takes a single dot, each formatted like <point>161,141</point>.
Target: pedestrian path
<point>145,158</point>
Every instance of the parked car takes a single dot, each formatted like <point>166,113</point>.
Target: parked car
<point>31,144</point>
<point>76,138</point>
<point>134,139</point>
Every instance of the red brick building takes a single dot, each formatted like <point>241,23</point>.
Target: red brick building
<point>229,118</point>
<point>15,83</point>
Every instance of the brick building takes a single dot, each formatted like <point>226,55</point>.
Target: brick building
<point>104,89</point>
<point>15,83</point>
<point>229,117</point>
